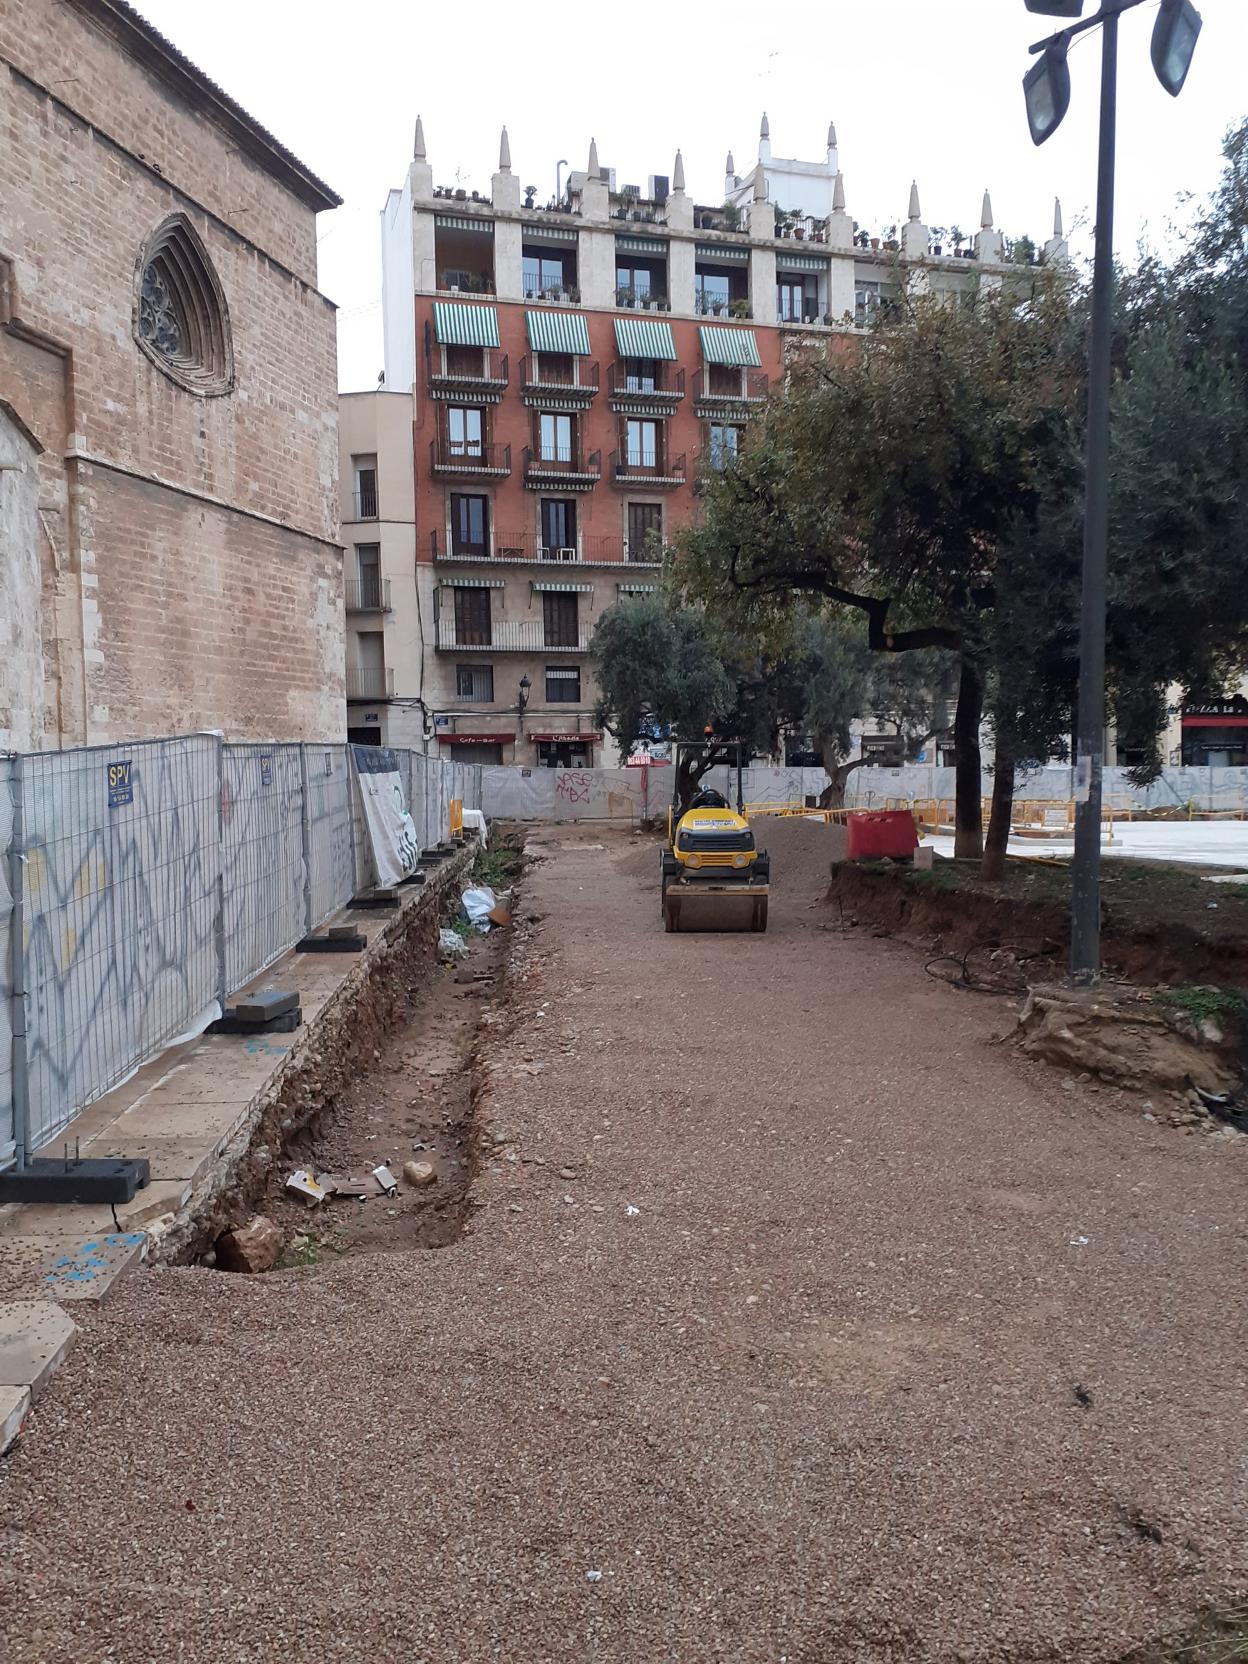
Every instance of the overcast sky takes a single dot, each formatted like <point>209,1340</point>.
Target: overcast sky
<point>929,89</point>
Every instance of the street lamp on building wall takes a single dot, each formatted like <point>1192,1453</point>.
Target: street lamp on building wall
<point>1046,88</point>
<point>522,700</point>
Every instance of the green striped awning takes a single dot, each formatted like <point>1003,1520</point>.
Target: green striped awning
<point>721,252</point>
<point>457,325</point>
<point>729,346</point>
<point>644,338</point>
<point>474,583</point>
<point>637,589</point>
<point>565,587</point>
<point>802,262</point>
<point>548,234</point>
<point>557,332</point>
<point>462,222</point>
<point>653,246</point>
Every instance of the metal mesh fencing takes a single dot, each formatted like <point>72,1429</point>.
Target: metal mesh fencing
<point>262,857</point>
<point>332,851</point>
<point>120,868</point>
<point>7,766</point>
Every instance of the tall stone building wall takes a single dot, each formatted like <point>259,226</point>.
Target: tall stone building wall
<point>188,562</point>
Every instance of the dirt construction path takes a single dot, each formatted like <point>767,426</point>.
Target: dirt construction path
<point>907,1352</point>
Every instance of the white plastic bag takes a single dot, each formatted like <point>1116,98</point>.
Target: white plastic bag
<point>478,903</point>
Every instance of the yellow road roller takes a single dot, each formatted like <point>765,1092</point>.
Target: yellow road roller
<point>713,877</point>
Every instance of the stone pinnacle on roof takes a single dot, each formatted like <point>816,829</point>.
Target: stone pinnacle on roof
<point>1057,217</point>
<point>730,167</point>
<point>831,135</point>
<point>678,173</point>
<point>764,131</point>
<point>504,154</point>
<point>914,212</point>
<point>594,169</point>
<point>985,215</point>
<point>838,194</point>
<point>418,143</point>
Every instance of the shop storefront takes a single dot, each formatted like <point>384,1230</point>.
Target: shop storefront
<point>565,750</point>
<point>477,748</point>
<point>1215,733</point>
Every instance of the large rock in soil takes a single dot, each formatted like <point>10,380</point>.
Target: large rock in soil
<point>1120,1036</point>
<point>252,1247</point>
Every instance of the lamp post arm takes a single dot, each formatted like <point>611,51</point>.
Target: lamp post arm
<point>1109,8</point>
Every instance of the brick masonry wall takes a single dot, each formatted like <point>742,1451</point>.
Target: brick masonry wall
<point>247,625</point>
<point>80,195</point>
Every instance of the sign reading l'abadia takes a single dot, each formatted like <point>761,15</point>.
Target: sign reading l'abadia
<point>391,831</point>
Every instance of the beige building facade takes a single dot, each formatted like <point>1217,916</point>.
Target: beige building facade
<point>168,450</point>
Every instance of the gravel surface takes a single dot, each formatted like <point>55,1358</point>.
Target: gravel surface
<point>797,1322</point>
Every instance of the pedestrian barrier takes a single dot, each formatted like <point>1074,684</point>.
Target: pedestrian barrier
<point>146,882</point>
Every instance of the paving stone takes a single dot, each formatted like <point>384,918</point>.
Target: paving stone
<point>88,1271</point>
<point>35,1336</point>
<point>14,1403</point>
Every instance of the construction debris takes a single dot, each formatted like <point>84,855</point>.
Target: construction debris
<point>307,1186</point>
<point>419,1173</point>
<point>253,1247</point>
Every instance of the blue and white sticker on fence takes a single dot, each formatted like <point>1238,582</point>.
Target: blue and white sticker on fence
<point>266,770</point>
<point>120,784</point>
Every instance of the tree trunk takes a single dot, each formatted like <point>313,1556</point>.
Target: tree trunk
<point>833,794</point>
<point>999,825</point>
<point>968,840</point>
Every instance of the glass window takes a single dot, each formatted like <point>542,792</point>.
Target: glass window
<point>789,299</point>
<point>543,274</point>
<point>558,523</point>
<point>463,430</point>
<point>368,571</point>
<point>641,375</point>
<point>470,525</point>
<point>711,289</point>
<point>563,684</point>
<point>556,432</point>
<point>633,279</point>
<point>725,441</point>
<point>365,487</point>
<point>642,443</point>
<point>474,683</point>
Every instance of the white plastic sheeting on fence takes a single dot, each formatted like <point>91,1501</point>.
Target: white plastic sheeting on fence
<point>552,794</point>
<point>156,878</point>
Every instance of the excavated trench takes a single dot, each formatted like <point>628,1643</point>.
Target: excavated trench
<point>400,1086</point>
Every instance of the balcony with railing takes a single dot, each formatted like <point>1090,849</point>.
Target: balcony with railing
<point>715,306</point>
<point>723,390</point>
<point>793,314</point>
<point>508,635</point>
<point>458,372</point>
<point>469,458</point>
<point>649,469</point>
<point>645,394</point>
<point>515,548</point>
<point>369,594</point>
<point>567,467</point>
<point>629,298</point>
<point>373,682</point>
<point>364,503</point>
<point>558,381</point>
<point>556,294</point>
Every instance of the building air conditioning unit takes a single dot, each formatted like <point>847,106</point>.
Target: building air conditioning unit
<point>566,554</point>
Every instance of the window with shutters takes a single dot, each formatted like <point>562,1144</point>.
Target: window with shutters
<point>560,620</point>
<point>472,617</point>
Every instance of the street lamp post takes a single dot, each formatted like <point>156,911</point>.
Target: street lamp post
<point>1046,88</point>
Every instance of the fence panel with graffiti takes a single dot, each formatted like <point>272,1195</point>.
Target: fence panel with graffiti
<point>153,879</point>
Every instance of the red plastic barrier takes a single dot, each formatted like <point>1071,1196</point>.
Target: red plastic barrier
<point>873,834</point>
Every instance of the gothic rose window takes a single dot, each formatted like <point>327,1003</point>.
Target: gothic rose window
<point>181,321</point>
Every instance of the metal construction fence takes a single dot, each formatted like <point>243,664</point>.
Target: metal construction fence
<point>643,793</point>
<point>146,882</point>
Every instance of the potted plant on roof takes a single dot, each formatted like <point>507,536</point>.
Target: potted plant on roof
<point>739,308</point>
<point>732,216</point>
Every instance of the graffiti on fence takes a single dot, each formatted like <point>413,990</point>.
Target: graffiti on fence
<point>120,903</point>
<point>573,785</point>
